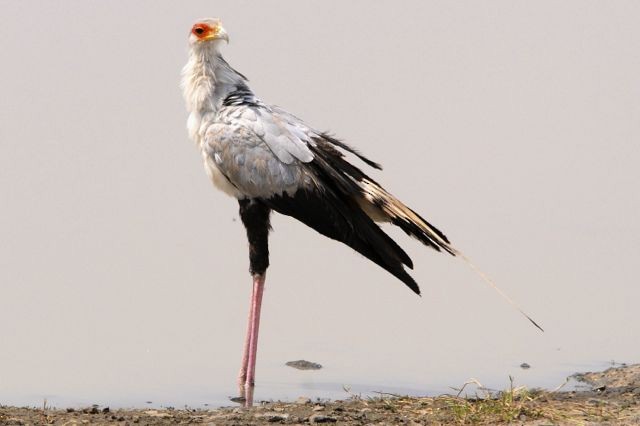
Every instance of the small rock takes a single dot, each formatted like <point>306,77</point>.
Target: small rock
<point>318,408</point>
<point>304,365</point>
<point>105,410</point>
<point>525,366</point>
<point>319,418</point>
<point>272,416</point>
<point>303,400</point>
<point>156,413</point>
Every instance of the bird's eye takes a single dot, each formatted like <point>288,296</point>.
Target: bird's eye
<point>200,29</point>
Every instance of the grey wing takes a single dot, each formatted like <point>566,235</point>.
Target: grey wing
<point>260,153</point>
<point>287,136</point>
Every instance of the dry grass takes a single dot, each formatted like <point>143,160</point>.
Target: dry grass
<point>516,405</point>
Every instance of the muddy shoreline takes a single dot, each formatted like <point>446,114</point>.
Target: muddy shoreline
<point>611,397</point>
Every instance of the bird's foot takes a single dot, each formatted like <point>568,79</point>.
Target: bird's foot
<point>246,394</point>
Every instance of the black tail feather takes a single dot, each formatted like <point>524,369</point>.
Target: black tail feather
<point>347,184</point>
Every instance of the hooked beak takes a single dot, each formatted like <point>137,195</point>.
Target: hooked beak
<point>218,34</point>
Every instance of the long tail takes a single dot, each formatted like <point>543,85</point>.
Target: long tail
<point>390,208</point>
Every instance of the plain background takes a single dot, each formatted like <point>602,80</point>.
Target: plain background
<point>513,126</point>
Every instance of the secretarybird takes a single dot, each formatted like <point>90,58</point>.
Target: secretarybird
<point>271,160</point>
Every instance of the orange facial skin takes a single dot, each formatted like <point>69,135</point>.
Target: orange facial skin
<point>204,31</point>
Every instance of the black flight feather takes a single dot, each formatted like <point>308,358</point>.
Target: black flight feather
<point>350,149</point>
<point>328,153</point>
<point>334,218</point>
<point>332,209</point>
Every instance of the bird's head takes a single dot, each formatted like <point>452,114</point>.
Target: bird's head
<point>207,32</point>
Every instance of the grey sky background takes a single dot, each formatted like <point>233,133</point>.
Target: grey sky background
<point>513,126</point>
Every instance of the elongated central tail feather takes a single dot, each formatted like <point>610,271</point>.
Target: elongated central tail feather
<point>493,285</point>
<point>416,226</point>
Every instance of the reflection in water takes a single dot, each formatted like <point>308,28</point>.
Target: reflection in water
<point>245,396</point>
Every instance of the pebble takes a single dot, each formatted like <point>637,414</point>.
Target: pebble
<point>272,416</point>
<point>319,418</point>
<point>156,413</point>
<point>303,400</point>
<point>525,366</point>
<point>318,408</point>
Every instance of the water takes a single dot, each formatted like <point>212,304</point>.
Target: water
<point>316,385</point>
<point>123,273</point>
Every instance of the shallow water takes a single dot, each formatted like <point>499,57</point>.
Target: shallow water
<point>324,384</point>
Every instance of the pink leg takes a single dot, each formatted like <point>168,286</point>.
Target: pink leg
<point>256,303</point>
<point>242,376</point>
<point>246,378</point>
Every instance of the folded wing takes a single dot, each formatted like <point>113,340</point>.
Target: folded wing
<point>270,155</point>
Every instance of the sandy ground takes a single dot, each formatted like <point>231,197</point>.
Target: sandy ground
<point>612,398</point>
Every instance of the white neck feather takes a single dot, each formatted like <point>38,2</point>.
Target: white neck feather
<point>207,79</point>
